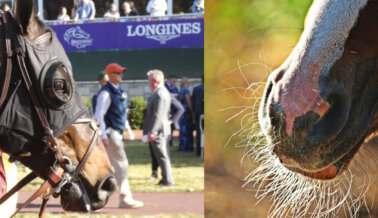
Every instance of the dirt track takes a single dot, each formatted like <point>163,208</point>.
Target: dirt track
<point>155,203</point>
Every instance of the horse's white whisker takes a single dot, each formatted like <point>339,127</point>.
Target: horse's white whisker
<point>294,194</point>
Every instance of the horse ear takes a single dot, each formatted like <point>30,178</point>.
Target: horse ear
<point>23,10</point>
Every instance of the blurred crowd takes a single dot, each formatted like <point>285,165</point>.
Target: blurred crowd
<point>188,106</point>
<point>86,9</point>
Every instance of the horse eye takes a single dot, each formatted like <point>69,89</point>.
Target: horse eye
<point>58,85</point>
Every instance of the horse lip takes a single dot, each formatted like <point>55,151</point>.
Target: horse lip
<point>73,198</point>
<point>326,174</point>
<point>98,205</point>
<point>330,172</point>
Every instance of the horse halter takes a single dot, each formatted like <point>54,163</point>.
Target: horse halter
<point>63,171</point>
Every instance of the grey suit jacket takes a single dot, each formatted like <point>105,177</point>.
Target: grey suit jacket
<point>180,110</point>
<point>156,117</point>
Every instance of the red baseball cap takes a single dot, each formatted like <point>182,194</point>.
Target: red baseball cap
<point>114,67</point>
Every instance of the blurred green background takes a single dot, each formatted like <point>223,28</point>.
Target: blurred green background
<point>244,41</point>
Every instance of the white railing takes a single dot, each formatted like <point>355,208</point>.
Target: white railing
<point>116,2</point>
<point>126,19</point>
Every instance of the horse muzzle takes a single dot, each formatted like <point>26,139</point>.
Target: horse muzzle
<point>75,197</point>
<point>301,116</point>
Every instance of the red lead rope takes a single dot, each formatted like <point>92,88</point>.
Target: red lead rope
<point>3,181</point>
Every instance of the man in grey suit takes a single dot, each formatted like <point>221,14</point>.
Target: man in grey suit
<point>156,127</point>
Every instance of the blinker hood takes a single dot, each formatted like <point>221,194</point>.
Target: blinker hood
<point>52,73</point>
<point>56,83</point>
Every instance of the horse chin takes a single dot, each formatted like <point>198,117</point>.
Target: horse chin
<point>76,200</point>
<point>332,171</point>
<point>73,199</point>
<point>74,195</point>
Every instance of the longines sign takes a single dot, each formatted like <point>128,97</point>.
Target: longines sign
<point>164,32</point>
<point>131,35</point>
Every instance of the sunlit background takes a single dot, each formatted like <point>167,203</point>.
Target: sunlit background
<point>244,41</point>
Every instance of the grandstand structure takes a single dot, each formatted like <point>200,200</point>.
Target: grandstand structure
<point>172,43</point>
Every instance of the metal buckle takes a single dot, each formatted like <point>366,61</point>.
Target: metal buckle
<point>66,178</point>
<point>93,125</point>
<point>26,154</point>
<point>56,144</point>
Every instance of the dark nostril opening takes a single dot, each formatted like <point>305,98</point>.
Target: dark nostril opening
<point>279,76</point>
<point>104,189</point>
<point>276,115</point>
<point>268,91</point>
<point>268,116</point>
<point>109,185</point>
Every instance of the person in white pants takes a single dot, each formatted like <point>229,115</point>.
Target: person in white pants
<point>111,114</point>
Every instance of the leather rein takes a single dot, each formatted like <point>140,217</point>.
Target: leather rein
<point>62,172</point>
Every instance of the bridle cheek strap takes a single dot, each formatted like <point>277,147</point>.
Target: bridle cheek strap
<point>86,155</point>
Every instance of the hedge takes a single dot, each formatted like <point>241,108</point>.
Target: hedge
<point>136,112</point>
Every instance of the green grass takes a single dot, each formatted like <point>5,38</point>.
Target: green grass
<point>188,171</point>
<point>73,215</point>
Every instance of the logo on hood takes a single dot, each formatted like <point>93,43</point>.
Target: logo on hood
<point>77,37</point>
<point>163,32</point>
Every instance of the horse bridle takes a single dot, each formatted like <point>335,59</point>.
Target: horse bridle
<point>62,172</point>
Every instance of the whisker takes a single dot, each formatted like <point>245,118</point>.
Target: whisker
<point>292,194</point>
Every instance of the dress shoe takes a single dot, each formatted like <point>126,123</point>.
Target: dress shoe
<point>162,183</point>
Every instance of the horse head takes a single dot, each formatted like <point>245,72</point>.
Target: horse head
<point>321,105</point>
<point>65,143</point>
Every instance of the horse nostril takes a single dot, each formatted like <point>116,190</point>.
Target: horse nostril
<point>105,189</point>
<point>335,118</point>
<point>279,76</point>
<point>107,186</point>
<point>267,92</point>
<point>271,112</point>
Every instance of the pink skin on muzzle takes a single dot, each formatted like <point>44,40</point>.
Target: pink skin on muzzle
<point>300,94</point>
